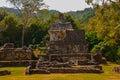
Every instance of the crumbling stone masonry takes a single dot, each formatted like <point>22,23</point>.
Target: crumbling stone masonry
<point>116,69</point>
<point>67,52</point>
<point>8,53</point>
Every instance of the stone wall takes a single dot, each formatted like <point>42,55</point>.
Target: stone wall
<point>8,52</point>
<point>88,69</point>
<point>15,54</point>
<point>75,36</point>
<point>67,47</point>
<point>23,63</point>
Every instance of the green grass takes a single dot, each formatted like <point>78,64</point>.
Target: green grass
<point>18,74</point>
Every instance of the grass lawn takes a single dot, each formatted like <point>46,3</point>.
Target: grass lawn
<point>18,74</point>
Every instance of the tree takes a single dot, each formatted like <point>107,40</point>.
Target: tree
<point>9,33</point>
<point>94,2</point>
<point>11,22</point>
<point>34,34</point>
<point>27,9</point>
<point>3,14</point>
<point>106,26</point>
<point>92,39</point>
<point>71,20</point>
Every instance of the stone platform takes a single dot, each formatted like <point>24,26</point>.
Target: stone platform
<point>79,69</point>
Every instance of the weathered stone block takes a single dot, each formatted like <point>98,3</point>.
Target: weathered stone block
<point>116,69</point>
<point>8,53</point>
<point>5,72</point>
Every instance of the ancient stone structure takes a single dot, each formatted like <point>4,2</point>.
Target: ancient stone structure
<point>18,63</point>
<point>5,72</point>
<point>8,53</point>
<point>116,69</point>
<point>65,40</point>
<point>67,48</point>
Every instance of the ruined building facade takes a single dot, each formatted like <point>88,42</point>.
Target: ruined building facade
<point>65,40</point>
<point>66,49</point>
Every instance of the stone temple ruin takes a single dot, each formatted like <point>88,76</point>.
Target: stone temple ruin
<point>66,52</point>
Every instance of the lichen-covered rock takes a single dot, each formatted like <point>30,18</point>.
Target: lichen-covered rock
<point>5,72</point>
<point>116,69</point>
<point>27,71</point>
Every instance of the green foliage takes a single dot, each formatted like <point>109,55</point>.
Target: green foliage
<point>9,33</point>
<point>70,19</point>
<point>10,20</point>
<point>45,39</point>
<point>92,39</point>
<point>34,34</point>
<point>95,3</point>
<point>27,9</point>
<point>3,13</point>
<point>111,53</point>
<point>83,15</point>
<point>105,25</point>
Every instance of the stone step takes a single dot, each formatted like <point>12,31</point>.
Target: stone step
<point>82,69</point>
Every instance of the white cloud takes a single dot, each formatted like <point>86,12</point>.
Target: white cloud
<point>66,5</point>
<point>4,3</point>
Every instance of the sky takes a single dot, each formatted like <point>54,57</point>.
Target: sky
<point>60,5</point>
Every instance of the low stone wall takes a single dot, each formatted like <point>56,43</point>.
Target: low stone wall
<point>39,71</point>
<point>15,54</point>
<point>4,72</point>
<point>23,63</point>
<point>76,70</point>
<point>93,69</point>
<point>8,53</point>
